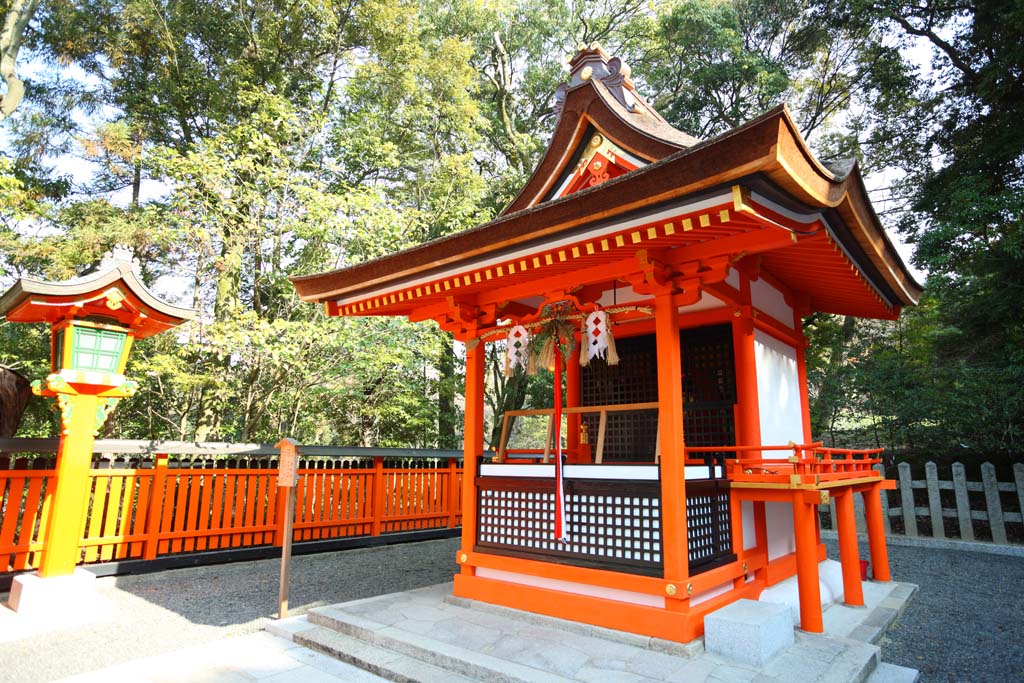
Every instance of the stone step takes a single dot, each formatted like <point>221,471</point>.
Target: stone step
<point>435,653</point>
<point>892,673</point>
<point>824,659</point>
<point>424,635</point>
<point>377,660</point>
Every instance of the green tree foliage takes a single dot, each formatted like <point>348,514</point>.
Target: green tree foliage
<point>233,145</point>
<point>948,376</point>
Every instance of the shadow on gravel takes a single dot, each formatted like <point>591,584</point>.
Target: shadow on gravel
<point>238,593</point>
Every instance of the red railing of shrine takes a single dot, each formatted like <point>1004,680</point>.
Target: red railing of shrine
<point>812,463</point>
<point>150,512</point>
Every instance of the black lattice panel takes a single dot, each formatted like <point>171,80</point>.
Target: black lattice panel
<point>708,365</point>
<point>708,524</point>
<point>611,524</point>
<point>615,527</point>
<point>709,425</point>
<point>629,436</point>
<point>709,391</point>
<point>517,519</point>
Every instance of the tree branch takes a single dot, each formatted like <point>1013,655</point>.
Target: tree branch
<point>949,50</point>
<point>18,16</point>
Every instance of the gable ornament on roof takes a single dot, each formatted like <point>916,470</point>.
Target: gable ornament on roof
<point>594,64</point>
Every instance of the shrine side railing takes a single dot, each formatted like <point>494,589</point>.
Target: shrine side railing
<point>153,500</point>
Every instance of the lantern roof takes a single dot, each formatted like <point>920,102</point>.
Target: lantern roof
<point>617,187</point>
<point>113,293</point>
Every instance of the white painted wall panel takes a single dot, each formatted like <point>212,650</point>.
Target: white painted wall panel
<point>733,278</point>
<point>778,391</point>
<point>749,529</point>
<point>771,301</point>
<point>781,539</point>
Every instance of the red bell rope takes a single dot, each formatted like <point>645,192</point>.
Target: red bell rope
<point>560,525</point>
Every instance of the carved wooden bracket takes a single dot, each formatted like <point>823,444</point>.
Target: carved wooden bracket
<point>654,277</point>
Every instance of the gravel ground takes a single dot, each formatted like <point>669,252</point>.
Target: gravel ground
<point>965,624</point>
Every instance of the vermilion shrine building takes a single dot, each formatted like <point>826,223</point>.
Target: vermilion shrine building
<point>706,255</point>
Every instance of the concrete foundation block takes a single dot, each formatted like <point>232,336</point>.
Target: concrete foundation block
<point>749,631</point>
<point>58,599</point>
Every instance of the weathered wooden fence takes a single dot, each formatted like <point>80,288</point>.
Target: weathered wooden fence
<point>987,510</point>
<point>154,499</point>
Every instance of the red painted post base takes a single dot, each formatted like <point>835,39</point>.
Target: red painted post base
<point>679,625</point>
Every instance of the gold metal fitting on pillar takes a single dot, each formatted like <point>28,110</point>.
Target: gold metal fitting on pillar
<point>689,589</point>
<point>670,590</point>
<point>463,558</point>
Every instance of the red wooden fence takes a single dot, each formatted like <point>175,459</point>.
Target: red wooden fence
<point>155,511</point>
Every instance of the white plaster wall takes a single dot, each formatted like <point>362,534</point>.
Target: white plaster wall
<point>779,523</point>
<point>749,529</point>
<point>778,391</point>
<point>733,278</point>
<point>712,593</point>
<point>707,302</point>
<point>830,583</point>
<point>779,520</point>
<point>771,301</point>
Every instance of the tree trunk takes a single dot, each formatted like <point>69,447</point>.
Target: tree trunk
<point>229,276</point>
<point>15,392</point>
<point>447,436</point>
<point>505,393</point>
<point>18,16</point>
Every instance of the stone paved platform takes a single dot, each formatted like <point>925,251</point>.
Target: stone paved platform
<point>427,635</point>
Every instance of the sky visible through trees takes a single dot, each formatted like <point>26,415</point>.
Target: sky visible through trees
<point>231,145</point>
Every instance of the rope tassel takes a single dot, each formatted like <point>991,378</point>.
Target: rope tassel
<point>585,347</point>
<point>613,354</point>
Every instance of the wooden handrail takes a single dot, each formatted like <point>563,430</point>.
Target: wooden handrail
<point>215,448</point>
<point>602,411</point>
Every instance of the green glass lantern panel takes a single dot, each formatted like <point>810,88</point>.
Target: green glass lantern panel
<point>96,350</point>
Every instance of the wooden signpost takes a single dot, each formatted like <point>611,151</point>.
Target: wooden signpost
<point>287,476</point>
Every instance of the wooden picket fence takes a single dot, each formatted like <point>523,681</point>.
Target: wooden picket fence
<point>987,510</point>
<point>168,498</point>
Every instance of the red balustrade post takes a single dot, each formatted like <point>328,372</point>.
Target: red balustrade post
<point>156,503</point>
<point>377,502</point>
<point>453,492</point>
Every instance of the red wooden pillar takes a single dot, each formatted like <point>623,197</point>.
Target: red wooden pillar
<point>674,542</point>
<point>876,533</point>
<point>748,413</point>
<point>748,418</point>
<point>807,564</point>
<point>472,446</point>
<point>853,591</point>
